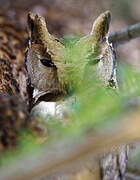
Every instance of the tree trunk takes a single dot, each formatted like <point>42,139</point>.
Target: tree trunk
<point>113,165</point>
<point>13,106</point>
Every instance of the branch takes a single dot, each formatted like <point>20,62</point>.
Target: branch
<point>124,35</point>
<point>68,155</point>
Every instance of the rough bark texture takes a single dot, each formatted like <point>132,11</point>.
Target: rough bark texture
<point>12,48</point>
<point>13,112</point>
<point>125,34</point>
<point>113,166</point>
<point>13,109</point>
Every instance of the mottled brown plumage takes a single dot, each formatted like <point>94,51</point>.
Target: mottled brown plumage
<point>43,47</point>
<point>47,62</point>
<point>47,66</point>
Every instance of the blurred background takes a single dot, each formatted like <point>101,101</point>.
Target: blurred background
<point>75,17</point>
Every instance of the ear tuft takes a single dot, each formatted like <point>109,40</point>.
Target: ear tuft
<point>101,26</point>
<point>37,28</point>
<point>30,20</point>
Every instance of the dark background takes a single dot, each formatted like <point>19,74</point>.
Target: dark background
<point>75,17</point>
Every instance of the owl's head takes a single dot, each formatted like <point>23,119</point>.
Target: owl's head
<point>51,64</point>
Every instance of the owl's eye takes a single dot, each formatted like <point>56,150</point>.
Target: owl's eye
<point>94,61</point>
<point>47,63</point>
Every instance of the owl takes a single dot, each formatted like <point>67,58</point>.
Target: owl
<point>52,64</point>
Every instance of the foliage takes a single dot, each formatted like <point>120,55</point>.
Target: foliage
<point>95,108</point>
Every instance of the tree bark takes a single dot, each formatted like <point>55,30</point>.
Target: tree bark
<point>13,95</point>
<point>125,35</point>
<point>113,166</point>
